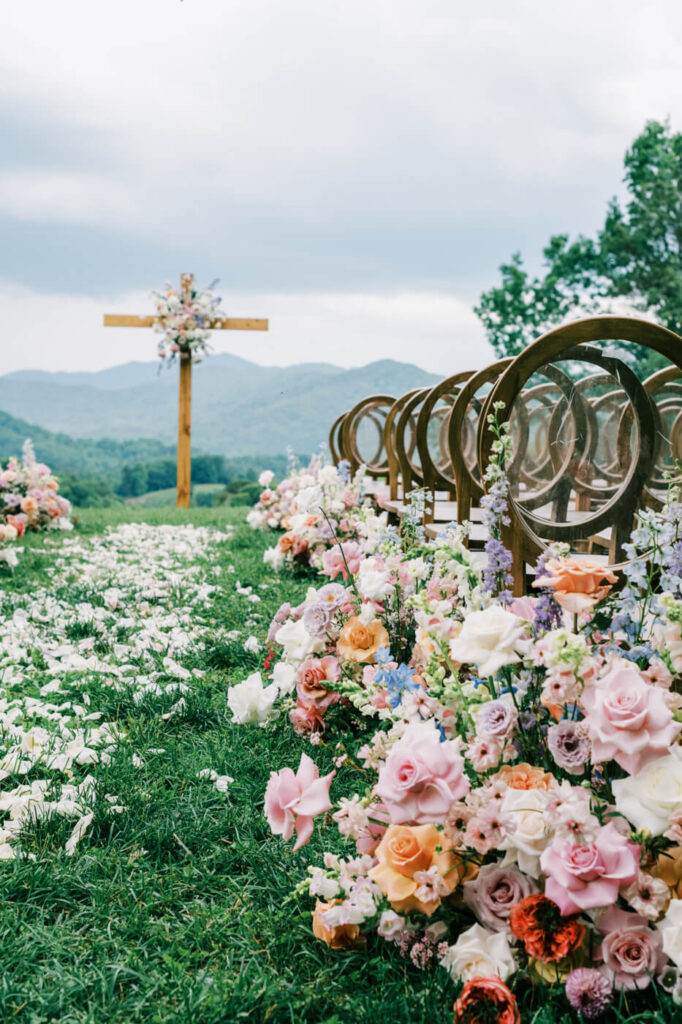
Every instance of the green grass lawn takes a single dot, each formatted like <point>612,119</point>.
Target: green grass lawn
<point>180,908</point>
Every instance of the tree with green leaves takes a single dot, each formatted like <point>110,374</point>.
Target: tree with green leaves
<point>635,258</point>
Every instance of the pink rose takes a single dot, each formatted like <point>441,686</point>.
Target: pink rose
<point>584,877</point>
<point>292,801</point>
<point>310,680</point>
<point>421,777</point>
<point>631,951</point>
<point>333,563</point>
<point>628,719</point>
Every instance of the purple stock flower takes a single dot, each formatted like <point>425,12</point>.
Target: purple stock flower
<point>569,745</point>
<point>588,992</point>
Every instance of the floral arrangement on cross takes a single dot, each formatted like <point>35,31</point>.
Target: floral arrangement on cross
<point>185,317</point>
<point>518,816</point>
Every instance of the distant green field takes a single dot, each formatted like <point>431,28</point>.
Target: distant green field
<point>166,497</point>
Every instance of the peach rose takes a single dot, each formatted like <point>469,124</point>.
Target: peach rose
<point>360,642</point>
<point>29,505</point>
<point>406,851</point>
<point>577,582</point>
<point>669,868</point>
<point>525,776</point>
<point>340,936</point>
<point>286,542</point>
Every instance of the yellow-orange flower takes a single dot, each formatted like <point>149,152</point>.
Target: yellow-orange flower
<point>406,850</point>
<point>669,867</point>
<point>360,642</point>
<point>340,936</point>
<point>525,776</point>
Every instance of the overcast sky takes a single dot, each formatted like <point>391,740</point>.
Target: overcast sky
<point>356,170</point>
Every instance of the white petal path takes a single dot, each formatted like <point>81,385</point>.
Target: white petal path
<point>139,595</point>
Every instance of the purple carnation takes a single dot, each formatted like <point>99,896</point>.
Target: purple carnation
<point>588,992</point>
<point>569,745</point>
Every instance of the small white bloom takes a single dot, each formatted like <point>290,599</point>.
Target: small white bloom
<point>250,702</point>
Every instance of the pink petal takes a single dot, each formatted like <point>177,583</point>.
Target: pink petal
<point>304,830</point>
<point>315,799</point>
<point>307,772</point>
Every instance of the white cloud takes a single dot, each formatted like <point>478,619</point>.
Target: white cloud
<point>65,332</point>
<point>65,197</point>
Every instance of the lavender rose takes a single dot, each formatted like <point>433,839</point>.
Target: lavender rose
<point>569,745</point>
<point>493,893</point>
<point>496,719</point>
<point>316,618</point>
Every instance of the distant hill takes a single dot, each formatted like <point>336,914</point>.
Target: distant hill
<point>65,454</point>
<point>238,407</point>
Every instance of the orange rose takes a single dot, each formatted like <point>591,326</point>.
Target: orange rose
<point>340,936</point>
<point>669,867</point>
<point>29,506</point>
<point>576,582</point>
<point>360,642</point>
<point>406,850</point>
<point>483,997</point>
<point>525,776</point>
<point>286,542</point>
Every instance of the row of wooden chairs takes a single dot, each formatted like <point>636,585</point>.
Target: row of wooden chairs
<point>591,443</point>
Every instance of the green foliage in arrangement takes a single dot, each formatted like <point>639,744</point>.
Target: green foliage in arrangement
<point>636,258</point>
<point>179,909</point>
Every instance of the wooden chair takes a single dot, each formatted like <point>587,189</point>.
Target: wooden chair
<point>615,486</point>
<point>434,454</point>
<point>361,438</point>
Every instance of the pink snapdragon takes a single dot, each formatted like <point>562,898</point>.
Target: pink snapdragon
<point>292,801</point>
<point>584,877</point>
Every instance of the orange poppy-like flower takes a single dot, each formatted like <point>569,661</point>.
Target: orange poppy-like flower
<point>482,998</point>
<point>545,933</point>
<point>340,936</point>
<point>360,642</point>
<point>577,582</point>
<point>525,776</point>
<point>407,850</point>
<point>668,867</point>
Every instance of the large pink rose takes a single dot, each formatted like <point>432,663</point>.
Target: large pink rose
<point>292,801</point>
<point>631,951</point>
<point>421,777</point>
<point>628,719</point>
<point>333,563</point>
<point>584,877</point>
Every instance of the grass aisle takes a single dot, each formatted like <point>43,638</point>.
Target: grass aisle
<point>175,904</point>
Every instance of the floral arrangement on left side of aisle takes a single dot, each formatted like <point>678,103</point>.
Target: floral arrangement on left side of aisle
<point>183,319</point>
<point>519,815</point>
<point>29,500</point>
<point>317,506</point>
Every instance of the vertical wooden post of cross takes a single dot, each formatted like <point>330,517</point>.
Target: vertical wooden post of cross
<point>184,456</point>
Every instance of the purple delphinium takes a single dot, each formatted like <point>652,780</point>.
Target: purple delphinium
<point>588,992</point>
<point>569,745</point>
<point>548,614</point>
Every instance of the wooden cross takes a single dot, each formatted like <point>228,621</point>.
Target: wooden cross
<point>184,476</point>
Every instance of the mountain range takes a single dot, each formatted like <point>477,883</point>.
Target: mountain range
<point>238,407</point>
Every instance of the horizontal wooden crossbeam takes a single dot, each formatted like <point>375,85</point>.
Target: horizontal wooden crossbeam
<point>231,324</point>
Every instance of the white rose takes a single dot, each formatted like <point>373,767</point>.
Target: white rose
<point>266,478</point>
<point>648,798</point>
<point>309,500</point>
<point>373,583</point>
<point>328,475</point>
<point>297,642</point>
<point>527,810</point>
<point>479,953</point>
<point>255,519</point>
<point>670,928</point>
<point>490,639</point>
<point>285,677</point>
<point>274,558</point>
<point>251,702</point>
